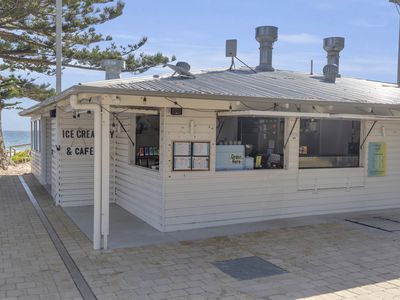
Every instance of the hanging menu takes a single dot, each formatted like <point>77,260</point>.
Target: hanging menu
<point>191,156</point>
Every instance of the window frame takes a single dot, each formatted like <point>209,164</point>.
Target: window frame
<point>132,148</point>
<point>36,135</point>
<point>284,158</point>
<point>360,155</point>
<point>191,156</point>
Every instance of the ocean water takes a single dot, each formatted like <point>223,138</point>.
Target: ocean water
<point>16,137</point>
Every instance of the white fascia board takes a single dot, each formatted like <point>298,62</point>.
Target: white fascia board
<point>255,113</point>
<point>364,117</point>
<point>135,111</point>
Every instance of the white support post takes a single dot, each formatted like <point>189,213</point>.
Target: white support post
<point>97,180</point>
<point>105,170</point>
<point>96,108</point>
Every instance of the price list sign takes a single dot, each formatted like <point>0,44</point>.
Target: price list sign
<point>376,159</point>
<point>191,156</point>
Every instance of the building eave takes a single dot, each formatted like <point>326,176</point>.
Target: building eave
<point>77,89</point>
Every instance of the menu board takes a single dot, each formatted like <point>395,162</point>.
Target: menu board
<point>376,159</point>
<point>201,149</point>
<point>200,163</point>
<point>182,149</point>
<point>191,156</point>
<point>182,163</point>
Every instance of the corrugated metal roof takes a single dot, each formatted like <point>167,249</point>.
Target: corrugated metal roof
<point>245,85</point>
<point>278,85</point>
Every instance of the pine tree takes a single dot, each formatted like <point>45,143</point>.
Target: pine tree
<point>14,87</point>
<point>27,44</point>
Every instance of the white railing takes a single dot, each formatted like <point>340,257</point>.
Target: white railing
<point>13,149</point>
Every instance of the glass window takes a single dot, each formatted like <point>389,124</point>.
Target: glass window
<point>147,141</point>
<point>246,143</point>
<point>35,135</point>
<point>326,143</point>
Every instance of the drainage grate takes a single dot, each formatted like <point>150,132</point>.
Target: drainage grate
<point>246,268</point>
<point>377,222</point>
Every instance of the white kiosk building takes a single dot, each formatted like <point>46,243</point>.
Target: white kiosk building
<point>221,147</point>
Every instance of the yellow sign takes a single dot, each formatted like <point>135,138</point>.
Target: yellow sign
<point>376,159</point>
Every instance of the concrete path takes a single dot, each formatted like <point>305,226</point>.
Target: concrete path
<point>335,260</point>
<point>127,230</point>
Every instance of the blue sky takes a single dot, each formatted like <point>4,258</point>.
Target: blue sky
<point>195,31</point>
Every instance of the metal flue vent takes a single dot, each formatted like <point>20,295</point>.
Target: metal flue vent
<point>113,68</point>
<point>333,46</point>
<point>266,36</point>
<point>330,73</point>
<point>182,68</point>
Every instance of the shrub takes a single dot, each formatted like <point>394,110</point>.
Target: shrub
<point>21,157</point>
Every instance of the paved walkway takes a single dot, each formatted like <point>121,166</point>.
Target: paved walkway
<point>30,267</point>
<point>339,260</point>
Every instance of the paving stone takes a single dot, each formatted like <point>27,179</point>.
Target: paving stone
<point>25,248</point>
<point>334,260</point>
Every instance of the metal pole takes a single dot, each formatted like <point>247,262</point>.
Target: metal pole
<point>58,45</point>
<point>397,6</point>
<point>398,60</point>
<point>312,67</point>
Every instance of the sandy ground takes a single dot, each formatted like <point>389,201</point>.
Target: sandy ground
<point>19,169</point>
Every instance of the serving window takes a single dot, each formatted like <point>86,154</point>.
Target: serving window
<point>326,143</point>
<point>147,141</point>
<point>247,143</point>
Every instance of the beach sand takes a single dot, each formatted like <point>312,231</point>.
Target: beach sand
<point>18,169</point>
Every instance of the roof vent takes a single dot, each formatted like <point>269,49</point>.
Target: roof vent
<point>330,73</point>
<point>266,36</point>
<point>113,68</point>
<point>333,45</point>
<point>182,68</point>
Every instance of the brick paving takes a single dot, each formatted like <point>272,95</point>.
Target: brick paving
<point>30,267</point>
<point>339,260</point>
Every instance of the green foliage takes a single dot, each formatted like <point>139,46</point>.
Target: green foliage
<point>27,36</point>
<point>18,87</point>
<point>21,157</point>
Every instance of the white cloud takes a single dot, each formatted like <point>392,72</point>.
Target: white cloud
<point>299,38</point>
<point>124,36</point>
<point>366,23</point>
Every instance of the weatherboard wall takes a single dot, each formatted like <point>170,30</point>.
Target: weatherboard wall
<point>137,189</point>
<point>36,165</point>
<point>55,158</point>
<point>74,172</point>
<point>210,198</point>
<point>48,152</point>
<point>177,200</point>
